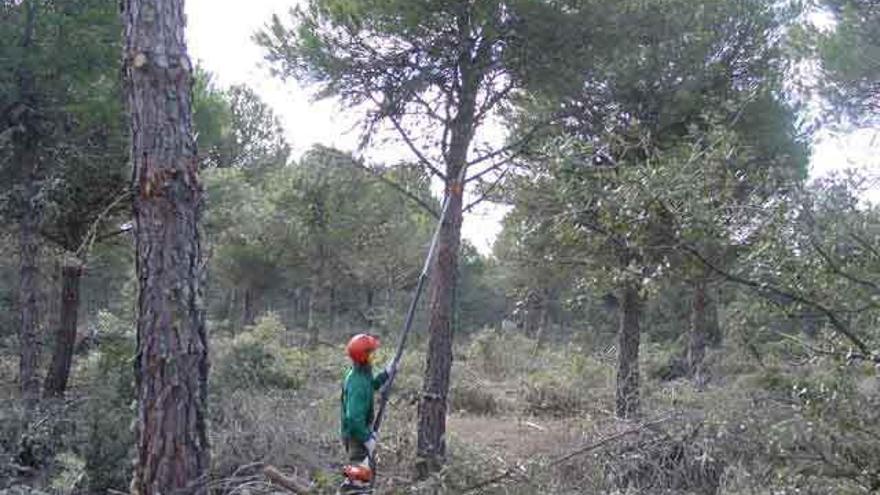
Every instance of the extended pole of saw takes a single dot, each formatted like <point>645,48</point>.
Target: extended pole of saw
<point>385,392</point>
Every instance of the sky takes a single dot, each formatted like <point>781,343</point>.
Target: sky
<point>219,36</point>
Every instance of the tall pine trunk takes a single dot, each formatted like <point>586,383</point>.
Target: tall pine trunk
<point>171,367</point>
<point>431,444</point>
<point>432,407</point>
<point>25,157</point>
<point>65,334</point>
<point>628,339</point>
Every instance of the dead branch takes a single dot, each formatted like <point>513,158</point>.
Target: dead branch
<point>764,288</point>
<point>513,471</point>
<point>290,483</point>
<point>399,188</point>
<point>488,191</point>
<point>605,441</point>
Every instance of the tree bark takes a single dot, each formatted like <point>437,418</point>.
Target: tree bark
<point>249,315</point>
<point>544,324</point>
<point>432,407</point>
<point>26,158</point>
<point>65,335</point>
<point>532,316</point>
<point>313,327</point>
<point>627,405</point>
<point>697,336</point>
<point>715,336</point>
<point>171,365</point>
<point>431,444</point>
<point>29,351</point>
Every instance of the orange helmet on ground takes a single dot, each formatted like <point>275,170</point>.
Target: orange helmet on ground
<point>360,346</point>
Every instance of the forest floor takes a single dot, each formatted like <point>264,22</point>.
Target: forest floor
<point>505,417</point>
<point>520,421</point>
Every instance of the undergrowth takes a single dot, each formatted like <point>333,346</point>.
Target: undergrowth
<point>779,426</point>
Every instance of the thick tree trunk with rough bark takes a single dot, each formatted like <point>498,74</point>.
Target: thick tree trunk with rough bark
<point>171,365</point>
<point>65,334</point>
<point>431,444</point>
<point>432,407</point>
<point>628,339</point>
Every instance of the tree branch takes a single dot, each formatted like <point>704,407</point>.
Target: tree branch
<point>510,472</point>
<point>865,244</point>
<point>409,142</point>
<point>484,172</point>
<point>493,100</point>
<point>108,235</point>
<point>765,288</point>
<point>527,137</point>
<point>486,193</point>
<point>835,268</point>
<point>399,188</point>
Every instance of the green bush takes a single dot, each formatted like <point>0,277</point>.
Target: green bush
<point>500,354</point>
<point>547,393</point>
<point>109,410</point>
<point>256,359</point>
<point>472,398</point>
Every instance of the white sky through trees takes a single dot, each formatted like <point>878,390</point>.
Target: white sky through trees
<point>219,34</point>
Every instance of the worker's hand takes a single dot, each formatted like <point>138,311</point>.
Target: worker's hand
<point>391,369</point>
<point>370,444</point>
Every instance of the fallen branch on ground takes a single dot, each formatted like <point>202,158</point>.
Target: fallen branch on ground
<point>605,441</point>
<point>291,483</point>
<point>510,472</point>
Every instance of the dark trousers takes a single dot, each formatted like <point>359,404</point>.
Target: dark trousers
<point>355,449</point>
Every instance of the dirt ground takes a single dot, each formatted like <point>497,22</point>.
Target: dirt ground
<point>515,438</point>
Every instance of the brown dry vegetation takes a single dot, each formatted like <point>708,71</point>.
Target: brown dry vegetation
<point>523,421</point>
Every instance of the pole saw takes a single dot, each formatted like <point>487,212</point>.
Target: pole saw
<point>385,391</point>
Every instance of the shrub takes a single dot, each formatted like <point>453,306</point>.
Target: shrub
<point>500,354</point>
<point>472,398</point>
<point>547,393</point>
<point>107,415</point>
<point>568,384</point>
<point>257,359</point>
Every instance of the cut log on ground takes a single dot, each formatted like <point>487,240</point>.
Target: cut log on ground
<point>290,483</point>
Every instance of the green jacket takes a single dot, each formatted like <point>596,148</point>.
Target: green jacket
<point>357,401</point>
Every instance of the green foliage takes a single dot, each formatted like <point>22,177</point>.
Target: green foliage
<point>473,398</point>
<point>235,128</point>
<point>257,359</point>
<point>75,106</point>
<point>107,415</point>
<point>324,234</point>
<point>850,56</point>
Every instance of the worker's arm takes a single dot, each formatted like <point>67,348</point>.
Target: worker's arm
<point>384,375</point>
<point>358,407</point>
<point>380,379</point>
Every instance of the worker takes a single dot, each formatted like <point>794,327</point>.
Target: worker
<point>357,410</point>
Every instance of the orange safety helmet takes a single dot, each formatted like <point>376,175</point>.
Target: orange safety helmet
<point>360,346</point>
